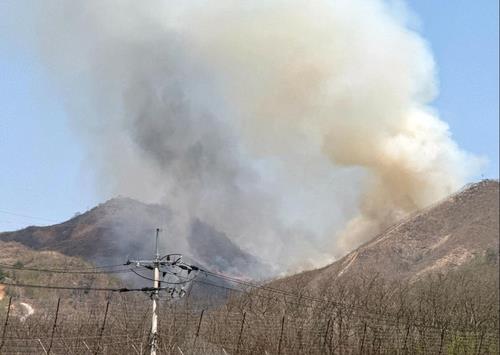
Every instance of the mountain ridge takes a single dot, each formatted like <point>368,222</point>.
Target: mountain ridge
<point>111,231</point>
<point>439,238</point>
<point>431,239</point>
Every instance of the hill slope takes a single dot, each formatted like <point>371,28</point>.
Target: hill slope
<point>442,237</point>
<point>104,231</point>
<point>123,227</point>
<point>18,264</point>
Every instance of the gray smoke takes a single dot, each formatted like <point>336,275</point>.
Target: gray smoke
<point>298,129</point>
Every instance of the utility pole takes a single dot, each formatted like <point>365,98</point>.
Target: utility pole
<point>155,266</point>
<point>154,297</point>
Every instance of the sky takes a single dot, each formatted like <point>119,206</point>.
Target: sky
<point>43,179</point>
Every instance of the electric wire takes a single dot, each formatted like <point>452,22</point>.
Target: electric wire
<point>287,293</point>
<point>81,288</point>
<point>67,271</point>
<point>256,286</point>
<point>28,216</point>
<point>187,280</point>
<point>161,281</point>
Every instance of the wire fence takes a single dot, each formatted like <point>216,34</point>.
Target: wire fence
<point>457,313</point>
<point>121,325</point>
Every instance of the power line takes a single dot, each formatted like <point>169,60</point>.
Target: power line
<point>262,287</point>
<point>221,276</point>
<point>88,268</point>
<point>157,288</point>
<point>287,293</point>
<point>241,291</point>
<point>163,282</point>
<point>187,280</point>
<point>103,289</point>
<point>103,266</point>
<point>62,271</point>
<point>28,216</point>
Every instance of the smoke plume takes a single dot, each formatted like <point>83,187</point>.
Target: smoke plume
<point>298,129</point>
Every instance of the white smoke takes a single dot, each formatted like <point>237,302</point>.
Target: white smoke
<point>298,128</point>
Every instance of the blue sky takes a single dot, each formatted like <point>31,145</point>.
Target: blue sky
<point>42,175</point>
<point>464,39</point>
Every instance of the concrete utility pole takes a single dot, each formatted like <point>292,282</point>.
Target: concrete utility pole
<point>156,285</point>
<point>155,266</point>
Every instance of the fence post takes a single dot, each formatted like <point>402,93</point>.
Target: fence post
<point>54,326</point>
<point>325,337</point>
<point>281,334</point>
<point>6,323</point>
<point>241,332</point>
<point>480,343</point>
<point>340,330</point>
<point>363,339</point>
<point>441,340</point>
<point>405,347</point>
<point>102,329</point>
<point>198,330</point>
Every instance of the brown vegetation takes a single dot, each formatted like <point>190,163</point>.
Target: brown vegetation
<point>429,285</point>
<point>454,313</point>
<point>442,237</point>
